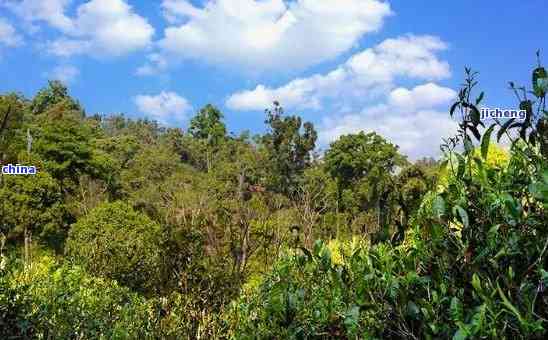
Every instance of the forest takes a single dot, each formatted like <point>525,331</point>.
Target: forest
<point>132,230</point>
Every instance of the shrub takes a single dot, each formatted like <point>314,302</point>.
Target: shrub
<point>117,242</point>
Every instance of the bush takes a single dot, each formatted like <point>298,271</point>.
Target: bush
<point>49,300</point>
<point>117,242</point>
<point>472,265</point>
<point>61,302</point>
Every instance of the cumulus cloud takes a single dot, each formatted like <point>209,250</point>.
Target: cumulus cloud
<point>8,35</point>
<point>164,107</point>
<point>417,125</point>
<point>363,94</point>
<point>67,74</point>
<point>421,97</point>
<point>268,34</point>
<point>100,27</point>
<point>49,11</point>
<point>365,75</point>
<point>418,134</point>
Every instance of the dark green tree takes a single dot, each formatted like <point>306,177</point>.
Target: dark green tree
<point>364,164</point>
<point>55,93</point>
<point>12,108</point>
<point>33,206</point>
<point>289,145</point>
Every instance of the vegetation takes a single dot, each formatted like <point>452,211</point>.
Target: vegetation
<point>131,230</point>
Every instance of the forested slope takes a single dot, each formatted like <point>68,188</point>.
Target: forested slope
<point>133,230</point>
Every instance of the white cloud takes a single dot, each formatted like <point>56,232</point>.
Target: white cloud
<point>421,97</point>
<point>155,65</point>
<point>49,11</point>
<point>363,94</point>
<point>176,10</point>
<point>305,93</point>
<point>365,75</point>
<point>268,34</point>
<point>8,35</point>
<point>100,27</point>
<point>64,73</point>
<point>66,47</point>
<point>165,107</point>
<point>415,119</point>
<point>418,134</point>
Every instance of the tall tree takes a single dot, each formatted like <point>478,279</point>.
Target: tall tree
<point>366,161</point>
<point>289,145</point>
<point>55,93</point>
<point>208,126</point>
<point>11,120</point>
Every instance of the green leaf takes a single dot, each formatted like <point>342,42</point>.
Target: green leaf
<point>485,141</point>
<point>509,305</point>
<point>456,309</point>
<point>539,81</point>
<point>480,98</point>
<point>475,132</point>
<point>460,335</point>
<point>468,145</point>
<point>413,310</point>
<point>475,115</point>
<point>476,283</point>
<point>318,246</point>
<point>326,257</point>
<point>352,316</point>
<point>503,128</point>
<point>462,166</point>
<point>463,215</point>
<point>443,164</point>
<point>438,206</point>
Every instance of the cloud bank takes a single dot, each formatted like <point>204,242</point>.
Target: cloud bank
<point>363,94</point>
<point>269,34</point>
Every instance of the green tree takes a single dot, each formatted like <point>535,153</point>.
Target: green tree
<point>68,148</point>
<point>208,127</point>
<point>365,163</point>
<point>208,124</point>
<point>12,108</point>
<point>54,94</point>
<point>115,241</point>
<point>33,205</point>
<point>289,145</point>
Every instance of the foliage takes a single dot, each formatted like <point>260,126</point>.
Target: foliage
<point>288,149</point>
<point>54,94</point>
<point>116,242</point>
<point>471,266</point>
<point>198,234</point>
<point>34,204</point>
<point>11,120</point>
<point>59,301</point>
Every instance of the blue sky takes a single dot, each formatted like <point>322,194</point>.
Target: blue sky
<point>346,65</point>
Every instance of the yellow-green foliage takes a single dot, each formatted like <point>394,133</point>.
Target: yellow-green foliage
<point>497,158</point>
<point>342,249</point>
<point>49,300</point>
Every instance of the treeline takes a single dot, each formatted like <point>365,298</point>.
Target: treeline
<point>134,230</point>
